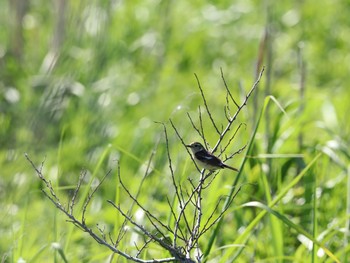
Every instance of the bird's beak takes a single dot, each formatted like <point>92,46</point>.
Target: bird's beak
<point>188,145</point>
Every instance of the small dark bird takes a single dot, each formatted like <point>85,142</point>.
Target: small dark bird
<point>205,159</point>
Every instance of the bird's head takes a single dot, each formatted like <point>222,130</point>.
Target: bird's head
<point>196,147</point>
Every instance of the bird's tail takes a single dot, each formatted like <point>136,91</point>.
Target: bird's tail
<point>231,168</point>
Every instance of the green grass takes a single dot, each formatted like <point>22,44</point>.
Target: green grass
<point>98,105</point>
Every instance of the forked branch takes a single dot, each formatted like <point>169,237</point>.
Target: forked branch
<point>189,221</point>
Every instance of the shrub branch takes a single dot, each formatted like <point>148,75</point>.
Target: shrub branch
<point>180,236</point>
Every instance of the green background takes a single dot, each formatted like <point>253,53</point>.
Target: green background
<point>83,82</point>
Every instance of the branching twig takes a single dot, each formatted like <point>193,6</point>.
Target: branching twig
<point>143,247</point>
<point>235,153</point>
<point>233,118</point>
<point>227,89</point>
<point>206,105</point>
<point>90,196</point>
<point>183,143</point>
<point>194,126</point>
<point>176,220</point>
<point>41,176</point>
<point>146,172</point>
<point>206,226</point>
<point>183,236</point>
<point>121,233</point>
<point>201,125</point>
<point>148,213</point>
<point>231,139</point>
<point>81,224</point>
<point>76,190</point>
<point>177,192</point>
<point>102,232</point>
<point>146,232</point>
<point>194,235</point>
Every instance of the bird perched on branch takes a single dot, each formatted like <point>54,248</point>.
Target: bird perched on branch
<point>205,159</point>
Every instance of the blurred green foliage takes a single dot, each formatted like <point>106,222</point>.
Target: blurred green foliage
<point>81,84</point>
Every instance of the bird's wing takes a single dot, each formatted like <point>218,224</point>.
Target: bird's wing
<point>208,158</point>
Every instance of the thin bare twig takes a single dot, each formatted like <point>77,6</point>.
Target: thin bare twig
<point>212,214</point>
<point>156,227</point>
<point>201,125</point>
<point>233,118</point>
<point>159,241</point>
<point>177,192</point>
<point>121,233</point>
<point>41,176</point>
<point>223,211</point>
<point>145,174</point>
<point>231,138</point>
<point>227,89</point>
<point>143,247</point>
<point>227,110</point>
<point>235,153</point>
<point>89,197</point>
<point>148,213</point>
<point>193,240</point>
<point>184,144</point>
<point>194,126</point>
<point>182,237</point>
<point>211,180</point>
<point>102,231</point>
<point>76,190</point>
<point>206,105</point>
<point>81,224</point>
